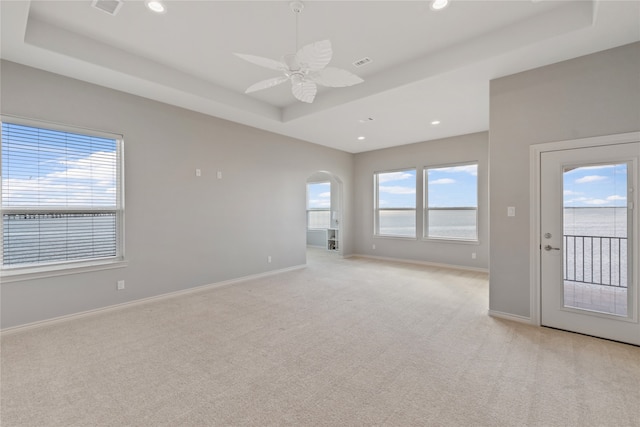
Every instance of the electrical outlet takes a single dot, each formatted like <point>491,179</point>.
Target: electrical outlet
<point>120,285</point>
<point>373,247</point>
<point>269,259</point>
<point>473,255</point>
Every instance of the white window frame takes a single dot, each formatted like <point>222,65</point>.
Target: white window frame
<point>377,209</point>
<point>328,210</point>
<point>11,273</point>
<point>426,208</point>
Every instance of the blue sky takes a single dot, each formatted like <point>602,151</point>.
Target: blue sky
<point>55,169</point>
<point>454,186</point>
<point>397,189</point>
<point>592,186</point>
<point>319,195</point>
<point>78,170</point>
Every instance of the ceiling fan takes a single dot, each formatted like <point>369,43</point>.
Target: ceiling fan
<point>306,69</point>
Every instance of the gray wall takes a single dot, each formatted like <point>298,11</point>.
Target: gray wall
<point>594,95</point>
<point>459,149</point>
<point>181,231</point>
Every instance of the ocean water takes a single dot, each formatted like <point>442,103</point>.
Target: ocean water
<point>452,224</point>
<point>595,245</point>
<point>57,237</point>
<point>608,222</point>
<point>604,222</point>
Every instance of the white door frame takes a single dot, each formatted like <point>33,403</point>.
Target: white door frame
<point>535,154</point>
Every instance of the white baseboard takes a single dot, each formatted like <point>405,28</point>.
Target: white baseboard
<point>509,316</point>
<point>427,263</point>
<point>40,323</point>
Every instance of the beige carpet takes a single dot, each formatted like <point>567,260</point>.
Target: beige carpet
<point>344,342</point>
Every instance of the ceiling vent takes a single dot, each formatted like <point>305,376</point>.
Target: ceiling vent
<point>109,6</point>
<point>364,61</point>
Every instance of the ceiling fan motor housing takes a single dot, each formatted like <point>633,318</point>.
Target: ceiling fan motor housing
<point>297,78</point>
<point>296,6</point>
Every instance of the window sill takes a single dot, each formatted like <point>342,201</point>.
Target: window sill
<point>31,273</point>
<point>455,241</point>
<point>389,236</point>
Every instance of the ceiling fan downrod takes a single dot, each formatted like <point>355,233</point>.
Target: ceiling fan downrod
<point>296,7</point>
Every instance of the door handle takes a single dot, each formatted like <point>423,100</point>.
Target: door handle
<point>549,248</point>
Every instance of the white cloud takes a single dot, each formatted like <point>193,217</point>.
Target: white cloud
<point>571,193</point>
<point>89,181</point>
<point>396,189</point>
<point>596,202</point>
<point>320,203</point>
<point>590,178</point>
<point>470,169</point>
<point>577,199</point>
<point>596,167</point>
<point>443,181</point>
<point>325,195</point>
<point>393,176</point>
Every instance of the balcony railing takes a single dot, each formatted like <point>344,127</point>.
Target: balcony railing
<point>596,260</point>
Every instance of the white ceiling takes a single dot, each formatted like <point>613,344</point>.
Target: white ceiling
<point>426,65</point>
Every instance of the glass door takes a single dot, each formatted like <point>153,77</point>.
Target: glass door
<point>588,218</point>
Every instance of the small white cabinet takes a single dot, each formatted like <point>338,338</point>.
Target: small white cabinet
<point>332,239</point>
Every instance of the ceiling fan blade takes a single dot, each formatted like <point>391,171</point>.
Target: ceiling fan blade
<point>265,84</point>
<point>263,62</point>
<point>335,77</point>
<point>315,56</point>
<point>305,91</point>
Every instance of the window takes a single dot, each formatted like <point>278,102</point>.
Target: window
<point>395,203</point>
<point>318,205</point>
<point>61,197</point>
<point>451,202</point>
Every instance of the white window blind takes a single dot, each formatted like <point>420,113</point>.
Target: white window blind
<point>61,196</point>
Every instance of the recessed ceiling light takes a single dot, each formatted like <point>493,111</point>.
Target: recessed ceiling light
<point>360,138</point>
<point>156,6</point>
<point>366,120</point>
<point>435,122</point>
<point>439,4</point>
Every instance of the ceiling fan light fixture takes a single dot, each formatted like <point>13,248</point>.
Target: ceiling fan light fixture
<point>155,6</point>
<point>306,69</point>
<point>439,4</point>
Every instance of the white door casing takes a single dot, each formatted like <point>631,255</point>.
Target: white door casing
<point>554,310</point>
